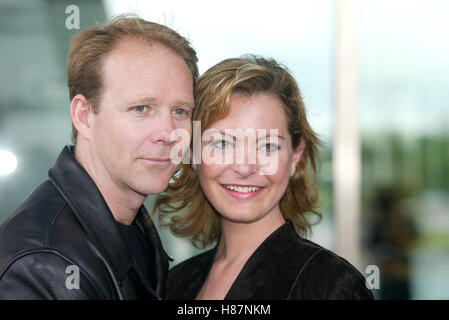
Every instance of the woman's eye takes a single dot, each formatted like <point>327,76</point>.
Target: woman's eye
<point>141,109</point>
<point>270,147</point>
<point>221,144</point>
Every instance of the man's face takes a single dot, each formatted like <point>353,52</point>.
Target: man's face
<point>147,93</point>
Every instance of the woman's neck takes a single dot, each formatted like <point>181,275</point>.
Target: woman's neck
<point>239,240</point>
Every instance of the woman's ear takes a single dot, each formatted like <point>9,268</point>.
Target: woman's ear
<point>297,154</point>
<point>79,111</point>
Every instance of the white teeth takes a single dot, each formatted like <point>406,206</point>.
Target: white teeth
<point>242,189</point>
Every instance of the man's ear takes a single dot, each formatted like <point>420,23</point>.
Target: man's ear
<point>297,154</point>
<point>79,110</point>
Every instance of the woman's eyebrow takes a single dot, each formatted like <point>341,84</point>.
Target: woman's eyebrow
<point>259,138</point>
<point>269,136</point>
<point>226,134</point>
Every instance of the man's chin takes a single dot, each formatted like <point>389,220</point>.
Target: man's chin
<point>152,183</point>
<point>152,188</point>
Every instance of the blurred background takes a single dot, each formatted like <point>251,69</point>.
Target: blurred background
<point>402,110</point>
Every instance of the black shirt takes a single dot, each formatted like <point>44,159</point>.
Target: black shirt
<point>140,250</point>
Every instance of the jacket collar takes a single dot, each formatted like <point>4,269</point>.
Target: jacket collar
<point>82,195</point>
<point>160,256</point>
<point>256,279</point>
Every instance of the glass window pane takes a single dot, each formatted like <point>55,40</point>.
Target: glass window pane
<point>404,119</point>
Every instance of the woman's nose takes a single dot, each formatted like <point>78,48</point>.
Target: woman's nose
<point>245,163</point>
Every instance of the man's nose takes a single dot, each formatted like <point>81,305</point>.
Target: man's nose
<point>163,126</point>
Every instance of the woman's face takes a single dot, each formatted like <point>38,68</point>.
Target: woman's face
<point>247,159</point>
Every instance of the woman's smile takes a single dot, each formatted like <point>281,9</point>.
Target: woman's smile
<point>244,192</point>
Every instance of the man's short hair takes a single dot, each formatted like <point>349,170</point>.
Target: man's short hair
<point>87,48</point>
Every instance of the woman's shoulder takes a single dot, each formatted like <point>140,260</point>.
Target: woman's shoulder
<point>313,271</point>
<point>287,244</point>
<point>326,259</point>
<point>321,255</point>
<point>192,263</point>
<point>186,278</point>
<point>326,272</point>
<point>308,253</point>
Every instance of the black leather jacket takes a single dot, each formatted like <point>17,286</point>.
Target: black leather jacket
<point>65,222</point>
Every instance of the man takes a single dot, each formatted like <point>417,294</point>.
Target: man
<point>84,233</point>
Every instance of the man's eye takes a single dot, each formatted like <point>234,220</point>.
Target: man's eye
<point>141,109</point>
<point>180,113</point>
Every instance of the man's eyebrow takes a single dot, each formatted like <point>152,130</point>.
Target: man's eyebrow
<point>186,104</point>
<point>155,101</point>
<point>144,100</point>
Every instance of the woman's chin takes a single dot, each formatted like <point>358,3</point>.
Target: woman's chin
<point>243,216</point>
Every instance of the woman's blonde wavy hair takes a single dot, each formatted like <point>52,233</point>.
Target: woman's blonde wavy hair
<point>183,206</point>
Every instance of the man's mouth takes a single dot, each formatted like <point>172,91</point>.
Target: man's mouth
<point>157,161</point>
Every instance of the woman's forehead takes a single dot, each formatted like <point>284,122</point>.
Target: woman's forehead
<point>260,111</point>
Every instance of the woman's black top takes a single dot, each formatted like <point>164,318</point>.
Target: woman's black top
<point>284,267</point>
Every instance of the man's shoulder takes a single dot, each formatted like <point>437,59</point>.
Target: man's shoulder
<point>39,242</point>
<point>43,196</point>
<point>32,218</point>
<point>43,222</point>
<point>46,274</point>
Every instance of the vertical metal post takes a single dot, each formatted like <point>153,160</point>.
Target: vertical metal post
<point>346,163</point>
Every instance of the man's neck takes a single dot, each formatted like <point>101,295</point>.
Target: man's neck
<point>124,203</point>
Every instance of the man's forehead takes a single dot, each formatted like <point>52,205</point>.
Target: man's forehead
<point>138,73</point>
<point>134,47</point>
<point>128,43</point>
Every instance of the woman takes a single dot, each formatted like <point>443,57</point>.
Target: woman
<point>253,193</point>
